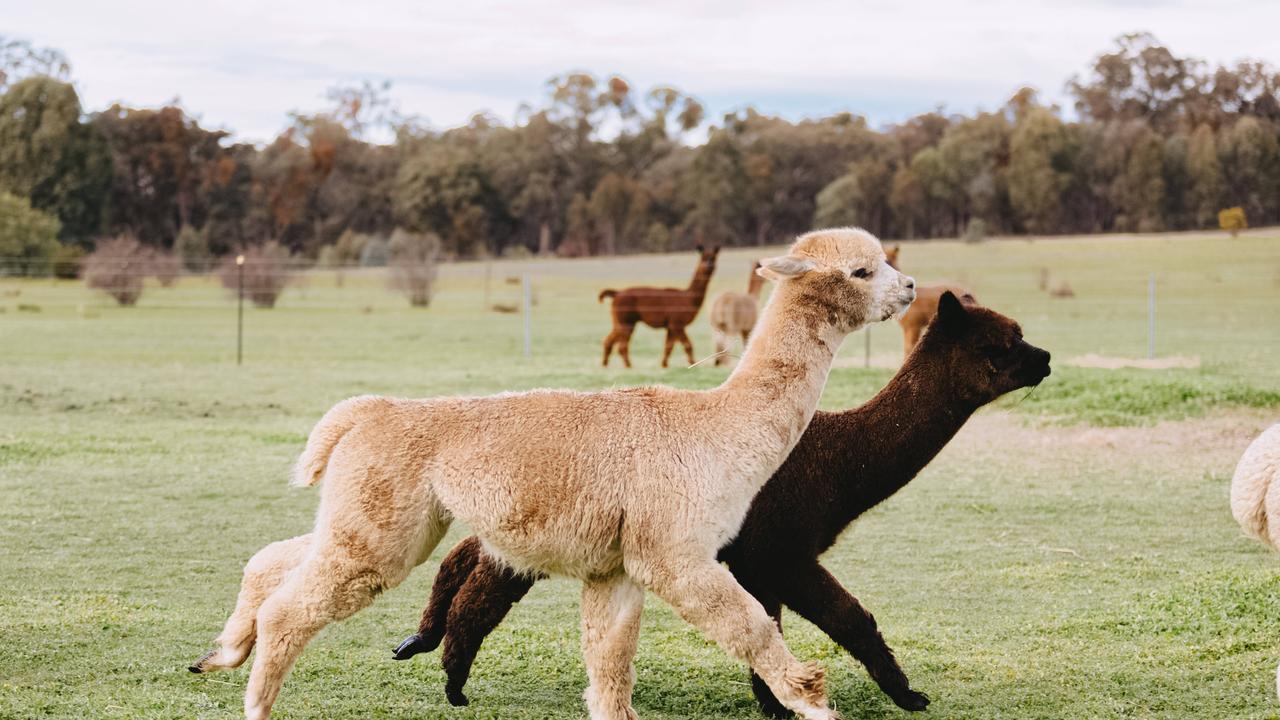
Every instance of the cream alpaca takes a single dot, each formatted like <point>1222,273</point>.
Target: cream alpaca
<point>624,489</point>
<point>734,313</point>
<point>1255,493</point>
<point>1255,488</point>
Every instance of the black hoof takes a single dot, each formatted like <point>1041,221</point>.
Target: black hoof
<point>411,646</point>
<point>911,700</point>
<point>456,698</point>
<point>197,667</point>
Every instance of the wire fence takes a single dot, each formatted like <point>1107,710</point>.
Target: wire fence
<point>1104,312</point>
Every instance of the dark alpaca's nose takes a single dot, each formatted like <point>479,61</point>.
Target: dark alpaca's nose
<point>1044,357</point>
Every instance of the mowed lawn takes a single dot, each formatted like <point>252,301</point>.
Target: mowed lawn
<point>1070,555</point>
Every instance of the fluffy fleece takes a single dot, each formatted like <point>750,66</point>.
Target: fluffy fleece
<point>734,314</point>
<point>1255,493</point>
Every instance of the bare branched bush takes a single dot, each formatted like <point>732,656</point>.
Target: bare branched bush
<point>117,267</point>
<point>166,266</point>
<point>267,271</point>
<point>413,259</point>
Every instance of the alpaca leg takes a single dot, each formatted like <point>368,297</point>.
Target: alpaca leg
<point>264,572</point>
<point>454,570</point>
<point>708,597</point>
<point>337,579</point>
<point>722,345</point>
<point>624,343</point>
<point>769,704</point>
<point>610,628</point>
<point>480,605</point>
<point>687,343</point>
<point>667,346</point>
<point>818,597</point>
<point>609,341</point>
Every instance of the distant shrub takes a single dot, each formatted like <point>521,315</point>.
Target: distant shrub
<point>117,267</point>
<point>573,246</point>
<point>328,257</point>
<point>192,248</point>
<point>975,231</point>
<point>28,237</point>
<point>66,262</point>
<point>267,271</point>
<point>510,252</point>
<point>414,260</point>
<point>1232,220</point>
<point>166,266</point>
<point>374,253</point>
<point>657,238</point>
<point>346,251</point>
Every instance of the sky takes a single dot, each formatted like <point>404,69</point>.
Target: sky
<point>243,65</point>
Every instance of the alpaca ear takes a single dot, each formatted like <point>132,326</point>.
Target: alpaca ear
<point>784,266</point>
<point>949,308</point>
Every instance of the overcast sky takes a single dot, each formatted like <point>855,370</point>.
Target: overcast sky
<point>242,65</point>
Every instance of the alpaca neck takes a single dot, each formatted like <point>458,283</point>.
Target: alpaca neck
<point>777,384</point>
<point>754,284</point>
<point>698,286</point>
<point>893,436</point>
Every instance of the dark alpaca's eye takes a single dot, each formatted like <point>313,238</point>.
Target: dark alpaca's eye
<point>862,273</point>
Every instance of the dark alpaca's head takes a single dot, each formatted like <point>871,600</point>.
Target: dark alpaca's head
<point>982,350</point>
<point>707,260</point>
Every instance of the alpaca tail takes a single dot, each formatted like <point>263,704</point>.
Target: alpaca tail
<point>607,293</point>
<point>326,434</point>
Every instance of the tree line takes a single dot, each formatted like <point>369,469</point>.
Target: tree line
<point>1158,142</point>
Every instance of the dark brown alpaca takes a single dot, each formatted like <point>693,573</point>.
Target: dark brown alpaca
<point>846,463</point>
<point>670,308</point>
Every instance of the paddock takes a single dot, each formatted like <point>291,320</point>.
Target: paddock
<point>1071,554</point>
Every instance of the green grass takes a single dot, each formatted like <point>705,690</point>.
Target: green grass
<point>1047,565</point>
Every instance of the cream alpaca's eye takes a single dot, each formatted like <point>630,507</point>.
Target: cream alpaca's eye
<point>862,273</point>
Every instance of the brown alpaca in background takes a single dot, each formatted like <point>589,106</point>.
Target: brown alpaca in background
<point>922,311</point>
<point>734,313</point>
<point>845,464</point>
<point>670,308</point>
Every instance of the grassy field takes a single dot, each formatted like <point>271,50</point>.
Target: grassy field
<point>1070,555</point>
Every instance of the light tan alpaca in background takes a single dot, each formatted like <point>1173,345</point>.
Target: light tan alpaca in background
<point>1255,493</point>
<point>734,313</point>
<point>624,489</point>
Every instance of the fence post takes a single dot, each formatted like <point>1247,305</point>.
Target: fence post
<point>488,274</point>
<point>240,310</point>
<point>866,346</point>
<point>528,314</point>
<point>1151,315</point>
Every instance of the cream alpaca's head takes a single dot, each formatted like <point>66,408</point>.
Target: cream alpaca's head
<point>844,273</point>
